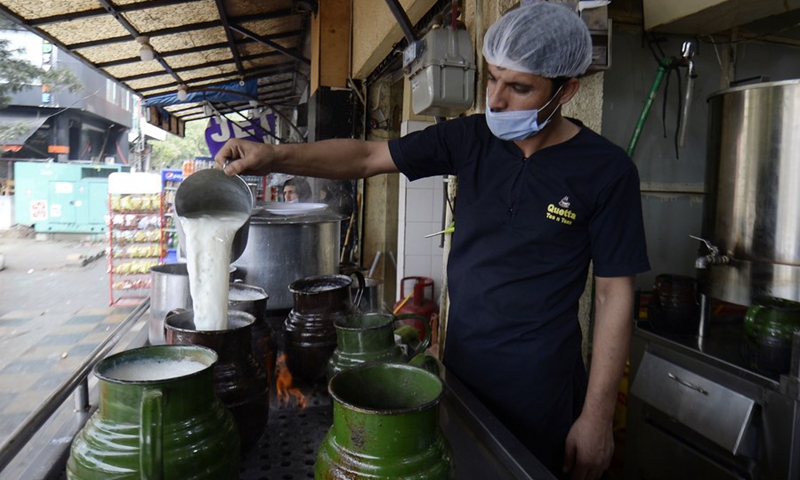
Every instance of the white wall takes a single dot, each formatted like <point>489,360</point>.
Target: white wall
<point>420,213</point>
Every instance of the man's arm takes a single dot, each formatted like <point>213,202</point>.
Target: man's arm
<point>590,443</point>
<point>335,159</point>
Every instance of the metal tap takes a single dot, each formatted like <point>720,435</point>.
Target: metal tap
<point>713,257</point>
<point>687,52</point>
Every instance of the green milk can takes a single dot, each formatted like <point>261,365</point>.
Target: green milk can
<point>370,337</point>
<point>768,328</point>
<point>157,419</point>
<point>385,426</point>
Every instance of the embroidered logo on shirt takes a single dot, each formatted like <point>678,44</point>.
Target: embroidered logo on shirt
<point>561,213</point>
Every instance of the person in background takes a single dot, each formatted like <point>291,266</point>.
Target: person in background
<point>338,196</point>
<point>540,198</point>
<point>296,190</point>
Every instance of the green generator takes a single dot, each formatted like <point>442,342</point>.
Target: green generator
<point>62,197</point>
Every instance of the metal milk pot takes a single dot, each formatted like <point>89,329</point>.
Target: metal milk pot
<point>385,425</point>
<point>212,189</point>
<point>166,427</point>
<point>370,337</point>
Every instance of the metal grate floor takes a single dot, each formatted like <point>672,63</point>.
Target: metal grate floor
<point>288,449</point>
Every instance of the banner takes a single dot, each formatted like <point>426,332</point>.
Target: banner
<point>229,92</point>
<point>221,129</point>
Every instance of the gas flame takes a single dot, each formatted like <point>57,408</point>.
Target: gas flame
<point>283,386</point>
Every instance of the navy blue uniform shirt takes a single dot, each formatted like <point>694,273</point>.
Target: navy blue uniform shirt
<point>526,230</point>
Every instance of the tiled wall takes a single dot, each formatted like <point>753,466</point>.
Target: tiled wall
<point>421,206</point>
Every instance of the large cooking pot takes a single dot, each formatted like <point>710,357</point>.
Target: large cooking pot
<point>753,200</point>
<point>283,248</point>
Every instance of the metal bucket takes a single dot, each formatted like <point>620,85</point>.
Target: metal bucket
<point>169,290</point>
<point>753,185</point>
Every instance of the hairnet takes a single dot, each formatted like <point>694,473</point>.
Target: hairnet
<point>545,39</point>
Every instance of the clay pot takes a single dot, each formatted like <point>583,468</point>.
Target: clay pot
<point>239,381</point>
<point>309,332</point>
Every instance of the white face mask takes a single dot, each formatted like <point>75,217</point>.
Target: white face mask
<point>518,124</point>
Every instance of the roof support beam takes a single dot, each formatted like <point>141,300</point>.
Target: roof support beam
<point>96,12</point>
<point>184,51</point>
<point>186,28</point>
<point>223,17</point>
<point>189,68</point>
<point>110,8</point>
<point>266,41</point>
<point>272,70</point>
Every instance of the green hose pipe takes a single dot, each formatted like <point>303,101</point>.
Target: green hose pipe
<point>637,131</point>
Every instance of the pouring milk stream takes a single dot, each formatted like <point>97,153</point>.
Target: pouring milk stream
<point>211,208</point>
<point>209,235</point>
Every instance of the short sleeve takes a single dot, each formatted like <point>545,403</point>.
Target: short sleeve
<point>435,150</point>
<point>617,230</point>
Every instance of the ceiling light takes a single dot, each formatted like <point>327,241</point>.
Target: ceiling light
<point>182,93</point>
<point>146,52</point>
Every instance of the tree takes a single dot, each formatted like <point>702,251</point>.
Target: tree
<point>171,152</point>
<point>17,74</point>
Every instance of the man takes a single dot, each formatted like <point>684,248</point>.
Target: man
<point>296,190</point>
<point>539,197</point>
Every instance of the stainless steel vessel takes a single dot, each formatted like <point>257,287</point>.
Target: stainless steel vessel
<point>753,208</point>
<point>169,290</point>
<point>281,249</point>
<point>213,190</point>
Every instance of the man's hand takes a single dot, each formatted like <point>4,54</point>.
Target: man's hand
<point>590,442</point>
<point>589,447</point>
<point>239,156</point>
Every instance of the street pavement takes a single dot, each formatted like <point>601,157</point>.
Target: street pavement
<point>54,311</point>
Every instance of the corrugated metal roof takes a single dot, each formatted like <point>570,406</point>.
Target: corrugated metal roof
<point>198,43</point>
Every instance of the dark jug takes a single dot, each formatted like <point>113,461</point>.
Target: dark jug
<point>309,332</point>
<point>385,425</point>
<point>768,328</point>
<point>253,300</point>
<point>239,381</point>
<point>370,337</point>
<point>157,418</point>
<point>674,308</point>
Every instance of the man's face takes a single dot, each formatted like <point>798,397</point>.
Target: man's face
<point>290,193</point>
<point>509,90</point>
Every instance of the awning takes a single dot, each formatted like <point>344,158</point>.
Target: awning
<point>156,47</point>
<point>16,128</point>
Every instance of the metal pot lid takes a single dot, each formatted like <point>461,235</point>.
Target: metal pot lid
<point>263,217</point>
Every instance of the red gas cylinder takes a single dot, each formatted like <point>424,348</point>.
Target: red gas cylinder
<point>419,301</point>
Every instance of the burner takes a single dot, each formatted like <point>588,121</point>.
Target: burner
<point>288,449</point>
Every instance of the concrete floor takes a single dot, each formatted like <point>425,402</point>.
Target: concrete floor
<point>54,311</point>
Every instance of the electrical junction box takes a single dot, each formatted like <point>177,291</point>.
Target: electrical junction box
<point>441,70</point>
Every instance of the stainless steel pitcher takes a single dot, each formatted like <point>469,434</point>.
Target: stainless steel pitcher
<point>212,189</point>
